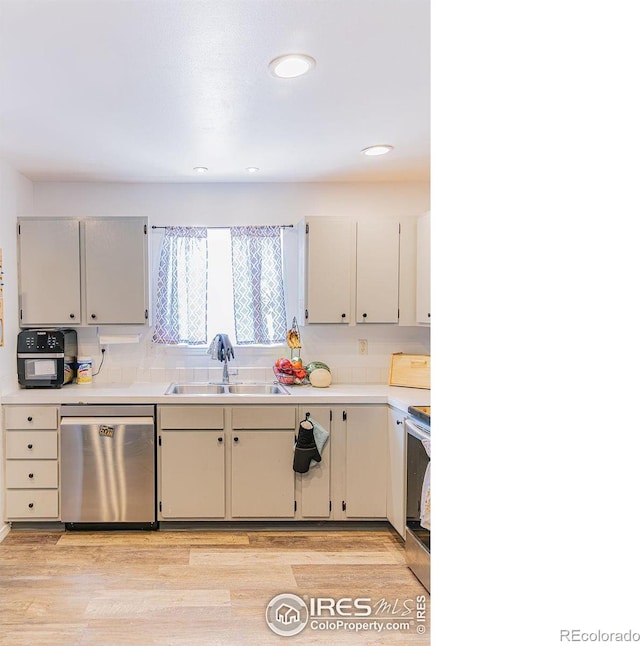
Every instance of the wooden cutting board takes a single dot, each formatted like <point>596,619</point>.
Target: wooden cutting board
<point>411,370</point>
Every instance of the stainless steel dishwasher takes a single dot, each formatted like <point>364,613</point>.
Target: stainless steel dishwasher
<point>107,466</point>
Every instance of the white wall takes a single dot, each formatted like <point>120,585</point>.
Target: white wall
<point>243,203</point>
<point>16,198</point>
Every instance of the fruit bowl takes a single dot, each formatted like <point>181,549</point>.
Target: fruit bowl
<point>283,377</point>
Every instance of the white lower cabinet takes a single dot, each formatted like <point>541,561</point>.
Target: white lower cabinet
<point>365,462</point>
<point>262,476</point>
<point>31,463</point>
<point>226,462</point>
<point>262,482</point>
<point>236,463</point>
<point>314,486</point>
<point>396,471</point>
<point>192,467</point>
<point>191,462</point>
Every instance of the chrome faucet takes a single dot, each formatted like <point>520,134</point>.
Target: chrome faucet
<point>222,350</point>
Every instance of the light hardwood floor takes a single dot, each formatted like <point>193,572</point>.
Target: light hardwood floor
<point>192,588</point>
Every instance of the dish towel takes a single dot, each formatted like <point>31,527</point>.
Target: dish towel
<point>321,436</point>
<point>425,499</point>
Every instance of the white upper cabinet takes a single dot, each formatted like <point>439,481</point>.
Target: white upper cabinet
<point>115,269</point>
<point>329,244</point>
<point>377,266</point>
<point>76,272</point>
<point>351,271</point>
<point>423,270</point>
<point>49,272</point>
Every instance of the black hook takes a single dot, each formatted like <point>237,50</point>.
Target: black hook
<point>307,416</point>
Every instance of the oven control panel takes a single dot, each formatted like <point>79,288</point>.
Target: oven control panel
<point>47,341</point>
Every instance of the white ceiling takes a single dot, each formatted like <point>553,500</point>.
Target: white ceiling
<point>144,90</point>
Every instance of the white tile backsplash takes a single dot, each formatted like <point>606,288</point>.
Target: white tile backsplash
<point>335,345</point>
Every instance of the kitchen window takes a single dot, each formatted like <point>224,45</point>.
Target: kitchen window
<point>221,280</point>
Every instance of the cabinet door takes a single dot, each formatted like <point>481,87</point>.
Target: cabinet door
<point>329,244</point>
<point>192,482</point>
<point>366,462</point>
<point>423,270</point>
<point>377,266</point>
<point>49,272</point>
<point>396,471</point>
<point>315,492</point>
<point>262,476</point>
<point>115,264</point>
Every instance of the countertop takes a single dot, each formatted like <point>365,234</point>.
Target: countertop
<point>153,393</point>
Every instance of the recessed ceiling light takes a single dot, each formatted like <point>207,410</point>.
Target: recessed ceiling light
<point>379,149</point>
<point>289,66</point>
<point>200,169</point>
<point>252,169</point>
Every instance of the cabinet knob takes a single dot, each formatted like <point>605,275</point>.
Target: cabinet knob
<point>220,440</point>
<point>31,475</point>
<point>343,315</point>
<point>236,439</point>
<point>399,422</point>
<point>29,419</point>
<point>72,316</point>
<point>364,316</point>
<point>29,446</point>
<point>30,505</point>
<point>93,316</point>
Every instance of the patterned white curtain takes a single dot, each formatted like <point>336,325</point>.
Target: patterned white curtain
<point>258,286</point>
<point>181,306</point>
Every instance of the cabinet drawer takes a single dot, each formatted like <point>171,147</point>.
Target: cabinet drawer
<point>267,417</point>
<point>32,503</point>
<point>25,417</point>
<point>32,444</point>
<point>32,474</point>
<point>191,417</point>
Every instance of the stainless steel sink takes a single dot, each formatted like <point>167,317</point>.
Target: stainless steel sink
<point>256,389</point>
<point>208,388</point>
<point>196,389</point>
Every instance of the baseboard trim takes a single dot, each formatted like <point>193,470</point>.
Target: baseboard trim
<point>4,531</point>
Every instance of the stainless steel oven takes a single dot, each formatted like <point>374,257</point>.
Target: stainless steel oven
<point>418,507</point>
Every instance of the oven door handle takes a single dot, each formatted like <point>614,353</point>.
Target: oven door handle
<point>418,432</point>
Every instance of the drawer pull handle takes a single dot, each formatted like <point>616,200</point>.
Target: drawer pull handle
<point>29,446</point>
<point>220,440</point>
<point>236,439</point>
<point>31,475</point>
<point>29,419</point>
<point>30,505</point>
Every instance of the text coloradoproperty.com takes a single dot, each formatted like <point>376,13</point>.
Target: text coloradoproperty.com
<point>599,636</point>
<point>357,626</point>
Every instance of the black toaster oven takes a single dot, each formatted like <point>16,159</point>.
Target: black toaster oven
<point>47,358</point>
